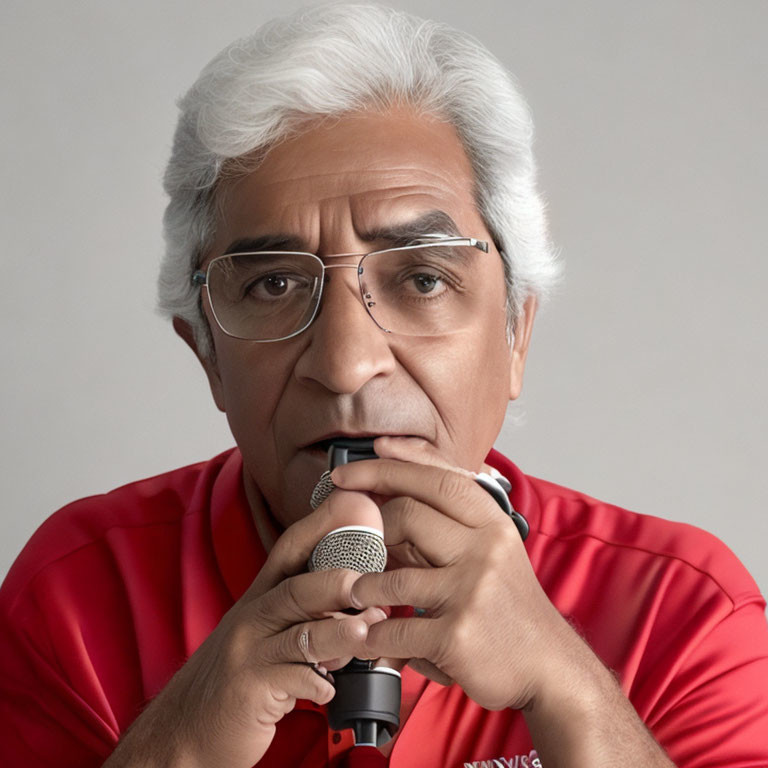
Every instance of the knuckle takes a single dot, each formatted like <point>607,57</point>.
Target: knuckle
<point>271,702</point>
<point>239,645</point>
<point>280,547</point>
<point>388,471</point>
<point>336,587</point>
<point>289,646</point>
<point>350,630</point>
<point>501,545</point>
<point>396,585</point>
<point>483,587</point>
<point>289,596</point>
<point>399,633</point>
<point>452,486</point>
<point>508,534</point>
<point>461,635</point>
<point>313,686</point>
<point>259,618</point>
<point>291,593</point>
<point>303,643</point>
<point>275,650</point>
<point>283,550</point>
<point>496,555</point>
<point>341,581</point>
<point>408,508</point>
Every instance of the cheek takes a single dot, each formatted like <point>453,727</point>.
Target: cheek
<point>485,397</point>
<point>253,378</point>
<point>466,377</point>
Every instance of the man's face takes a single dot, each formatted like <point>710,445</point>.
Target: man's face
<point>328,189</point>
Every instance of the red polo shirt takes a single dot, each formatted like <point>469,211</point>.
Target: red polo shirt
<point>114,592</point>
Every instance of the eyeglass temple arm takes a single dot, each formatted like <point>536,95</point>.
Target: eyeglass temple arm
<point>481,245</point>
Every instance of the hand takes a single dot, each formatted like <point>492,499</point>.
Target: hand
<point>488,625</point>
<point>223,705</point>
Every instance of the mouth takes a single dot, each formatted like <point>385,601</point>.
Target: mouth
<point>362,440</point>
<point>358,441</point>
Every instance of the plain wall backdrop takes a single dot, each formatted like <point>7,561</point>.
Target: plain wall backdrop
<point>648,374</point>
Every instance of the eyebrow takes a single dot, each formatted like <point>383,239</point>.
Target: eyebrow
<point>431,223</point>
<point>269,242</point>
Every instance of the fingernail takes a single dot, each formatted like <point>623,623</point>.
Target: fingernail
<point>355,602</point>
<point>319,669</point>
<point>378,614</point>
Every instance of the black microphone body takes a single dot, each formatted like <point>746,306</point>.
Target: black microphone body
<point>367,698</point>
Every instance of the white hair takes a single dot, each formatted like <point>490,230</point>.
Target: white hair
<point>333,59</point>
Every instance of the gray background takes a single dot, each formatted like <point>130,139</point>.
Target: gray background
<point>647,377</point>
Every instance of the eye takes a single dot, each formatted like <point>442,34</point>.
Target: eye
<point>275,285</point>
<point>425,283</point>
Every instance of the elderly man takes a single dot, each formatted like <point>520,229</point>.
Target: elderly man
<point>356,249</point>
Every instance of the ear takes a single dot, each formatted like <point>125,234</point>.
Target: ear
<point>523,330</point>
<point>183,329</point>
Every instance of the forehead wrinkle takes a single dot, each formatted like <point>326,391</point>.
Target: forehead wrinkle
<point>335,224</point>
<point>373,197</point>
<point>360,214</point>
<point>409,203</point>
<point>412,175</point>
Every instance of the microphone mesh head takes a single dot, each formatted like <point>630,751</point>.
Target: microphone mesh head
<point>355,546</point>
<point>322,490</point>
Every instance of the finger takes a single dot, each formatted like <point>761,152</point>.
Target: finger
<point>452,493</point>
<point>300,681</point>
<point>415,450</point>
<point>406,555</point>
<point>314,642</point>
<point>302,597</point>
<point>436,537</point>
<point>406,639</point>
<point>419,451</point>
<point>423,587</point>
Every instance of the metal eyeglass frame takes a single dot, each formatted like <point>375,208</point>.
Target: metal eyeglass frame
<point>200,277</point>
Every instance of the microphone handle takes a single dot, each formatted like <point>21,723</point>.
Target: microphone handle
<point>367,698</point>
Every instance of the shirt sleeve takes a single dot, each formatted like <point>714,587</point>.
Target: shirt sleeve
<point>713,712</point>
<point>44,721</point>
<point>54,709</point>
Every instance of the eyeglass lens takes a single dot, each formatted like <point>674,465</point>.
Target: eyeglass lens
<point>414,290</point>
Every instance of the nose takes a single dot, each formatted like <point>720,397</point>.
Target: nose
<point>346,348</point>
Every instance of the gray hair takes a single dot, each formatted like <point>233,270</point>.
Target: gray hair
<point>332,59</point>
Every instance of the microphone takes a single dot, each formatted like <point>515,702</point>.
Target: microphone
<point>367,698</point>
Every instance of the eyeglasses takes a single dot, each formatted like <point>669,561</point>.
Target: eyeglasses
<point>427,289</point>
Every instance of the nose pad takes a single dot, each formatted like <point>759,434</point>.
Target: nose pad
<point>369,304</point>
<point>346,347</point>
